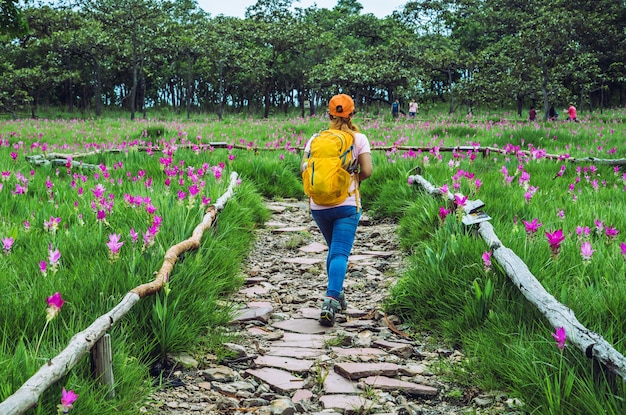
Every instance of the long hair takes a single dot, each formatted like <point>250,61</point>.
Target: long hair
<point>343,124</point>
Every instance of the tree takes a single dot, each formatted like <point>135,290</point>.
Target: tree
<point>12,20</point>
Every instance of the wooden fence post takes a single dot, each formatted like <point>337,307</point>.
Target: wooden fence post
<point>102,363</point>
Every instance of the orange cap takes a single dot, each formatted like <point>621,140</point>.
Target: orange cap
<point>341,106</point>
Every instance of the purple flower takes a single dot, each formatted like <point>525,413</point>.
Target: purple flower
<point>560,337</point>
<point>586,251</point>
<point>114,243</point>
<point>583,232</point>
<point>555,238</point>
<point>55,303</point>
<point>611,232</point>
<point>443,212</point>
<point>460,200</point>
<point>8,243</point>
<point>532,227</point>
<point>487,260</point>
<point>67,400</point>
<point>622,246</point>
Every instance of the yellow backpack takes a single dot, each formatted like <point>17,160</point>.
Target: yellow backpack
<point>328,173</point>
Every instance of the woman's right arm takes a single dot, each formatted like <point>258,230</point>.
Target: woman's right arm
<point>365,166</point>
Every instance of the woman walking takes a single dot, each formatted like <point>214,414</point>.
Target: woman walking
<point>338,222</point>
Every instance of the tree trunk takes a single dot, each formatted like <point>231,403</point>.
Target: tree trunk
<point>97,90</point>
<point>451,110</point>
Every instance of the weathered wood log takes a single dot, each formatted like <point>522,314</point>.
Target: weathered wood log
<point>28,394</point>
<point>41,160</point>
<point>590,343</point>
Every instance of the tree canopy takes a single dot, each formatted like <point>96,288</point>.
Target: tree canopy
<point>143,54</point>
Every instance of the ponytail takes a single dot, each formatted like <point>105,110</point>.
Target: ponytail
<point>343,124</point>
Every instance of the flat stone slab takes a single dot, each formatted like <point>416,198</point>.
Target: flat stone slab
<point>302,395</point>
<point>314,248</point>
<point>280,380</point>
<point>258,331</point>
<point>255,290</point>
<point>308,312</point>
<point>335,383</point>
<point>380,254</point>
<point>287,363</point>
<point>290,229</point>
<point>403,350</point>
<point>355,371</point>
<point>301,325</point>
<point>357,258</point>
<point>355,312</point>
<point>304,261</point>
<point>276,208</point>
<point>353,403</point>
<point>259,304</point>
<point>358,324</point>
<point>256,313</point>
<point>275,224</point>
<point>358,351</point>
<point>254,280</point>
<point>297,352</point>
<point>295,340</point>
<point>390,384</point>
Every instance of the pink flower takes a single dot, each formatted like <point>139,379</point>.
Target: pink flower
<point>599,225</point>
<point>114,243</point>
<point>622,246</point>
<point>54,256</point>
<point>443,212</point>
<point>55,303</point>
<point>611,232</point>
<point>43,267</point>
<point>583,232</point>
<point>444,189</point>
<point>98,191</point>
<point>586,251</point>
<point>134,235</point>
<point>560,337</point>
<point>524,178</point>
<point>532,227</point>
<point>555,238</point>
<point>460,200</point>
<point>67,400</point>
<point>487,260</point>
<point>8,243</point>
<point>101,215</point>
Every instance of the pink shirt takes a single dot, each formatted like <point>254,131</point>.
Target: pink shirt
<point>361,146</point>
<point>572,112</point>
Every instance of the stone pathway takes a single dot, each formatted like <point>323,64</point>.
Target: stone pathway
<point>287,363</point>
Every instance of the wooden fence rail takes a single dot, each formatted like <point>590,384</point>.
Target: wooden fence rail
<point>62,158</point>
<point>28,394</point>
<point>590,343</point>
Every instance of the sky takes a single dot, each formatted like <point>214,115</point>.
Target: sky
<point>237,8</point>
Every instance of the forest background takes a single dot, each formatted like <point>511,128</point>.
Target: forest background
<point>89,56</point>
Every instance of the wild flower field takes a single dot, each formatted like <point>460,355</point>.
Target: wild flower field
<point>78,234</point>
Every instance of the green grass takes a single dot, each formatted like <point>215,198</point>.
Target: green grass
<point>445,288</point>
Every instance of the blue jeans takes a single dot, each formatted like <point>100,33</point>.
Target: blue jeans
<point>338,225</point>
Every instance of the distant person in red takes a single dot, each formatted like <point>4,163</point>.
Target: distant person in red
<point>571,112</point>
<point>532,114</point>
